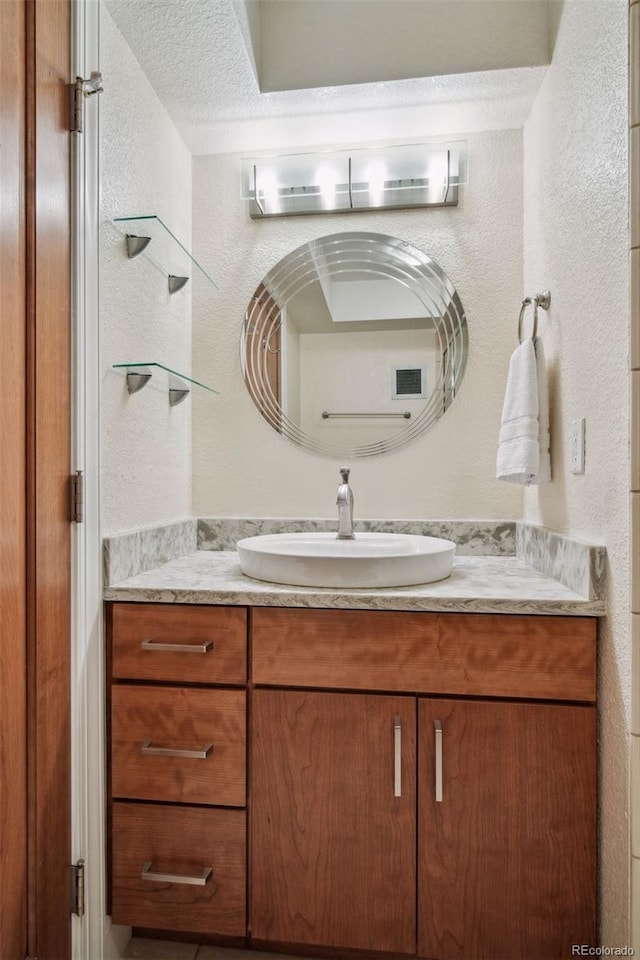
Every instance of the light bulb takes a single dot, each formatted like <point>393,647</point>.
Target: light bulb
<point>268,185</point>
<point>327,182</point>
<point>437,176</point>
<point>376,175</point>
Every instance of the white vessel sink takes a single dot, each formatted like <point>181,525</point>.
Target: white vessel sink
<point>370,560</point>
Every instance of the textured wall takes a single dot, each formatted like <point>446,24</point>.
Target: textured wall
<point>242,467</point>
<point>146,168</point>
<point>634,170</point>
<point>576,243</point>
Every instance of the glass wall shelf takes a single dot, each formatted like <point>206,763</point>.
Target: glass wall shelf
<point>138,376</point>
<point>164,249</point>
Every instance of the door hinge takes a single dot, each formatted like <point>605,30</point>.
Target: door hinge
<point>77,888</point>
<point>76,497</point>
<point>79,90</point>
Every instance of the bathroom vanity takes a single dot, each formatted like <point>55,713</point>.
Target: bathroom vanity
<point>408,782</point>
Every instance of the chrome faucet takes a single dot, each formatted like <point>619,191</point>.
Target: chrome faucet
<point>344,504</point>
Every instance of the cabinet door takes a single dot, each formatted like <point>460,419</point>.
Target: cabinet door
<point>506,857</point>
<point>332,844</point>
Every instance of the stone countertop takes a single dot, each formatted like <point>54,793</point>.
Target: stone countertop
<point>477,585</point>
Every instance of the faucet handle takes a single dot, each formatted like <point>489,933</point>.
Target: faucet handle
<point>344,473</point>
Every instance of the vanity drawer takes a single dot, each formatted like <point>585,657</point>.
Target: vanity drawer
<point>173,642</point>
<point>181,843</point>
<point>467,654</point>
<point>209,723</point>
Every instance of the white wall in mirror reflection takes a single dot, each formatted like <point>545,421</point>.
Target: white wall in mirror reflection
<point>347,372</point>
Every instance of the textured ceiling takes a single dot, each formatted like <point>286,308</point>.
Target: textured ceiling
<point>195,54</point>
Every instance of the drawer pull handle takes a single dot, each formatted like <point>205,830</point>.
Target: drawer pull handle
<point>437,729</point>
<point>150,751</point>
<point>397,757</point>
<point>149,644</point>
<point>199,881</point>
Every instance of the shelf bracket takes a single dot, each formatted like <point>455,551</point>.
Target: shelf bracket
<point>177,283</point>
<point>135,245</point>
<point>136,381</point>
<point>177,395</point>
<point>178,391</point>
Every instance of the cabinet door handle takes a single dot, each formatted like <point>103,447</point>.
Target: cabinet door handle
<point>148,644</point>
<point>397,757</point>
<point>150,751</point>
<point>198,881</point>
<point>437,729</point>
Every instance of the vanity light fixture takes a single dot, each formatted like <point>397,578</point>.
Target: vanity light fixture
<point>426,174</point>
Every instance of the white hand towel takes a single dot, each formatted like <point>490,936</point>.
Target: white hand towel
<point>544,467</point>
<point>522,434</point>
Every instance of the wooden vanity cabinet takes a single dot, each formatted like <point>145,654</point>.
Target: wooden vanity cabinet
<point>178,767</point>
<point>420,784</point>
<point>505,833</point>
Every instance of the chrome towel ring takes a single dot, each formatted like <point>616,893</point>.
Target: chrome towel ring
<point>540,300</point>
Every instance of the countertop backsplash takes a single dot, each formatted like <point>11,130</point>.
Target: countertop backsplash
<point>128,554</point>
<point>487,538</point>
<point>577,564</point>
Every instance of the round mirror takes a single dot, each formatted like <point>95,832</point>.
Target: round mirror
<point>354,344</point>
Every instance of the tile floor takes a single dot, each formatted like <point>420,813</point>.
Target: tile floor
<point>143,949</point>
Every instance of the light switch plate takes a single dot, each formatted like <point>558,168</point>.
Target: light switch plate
<point>577,445</point>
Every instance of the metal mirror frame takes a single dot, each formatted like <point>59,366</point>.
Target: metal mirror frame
<point>382,256</point>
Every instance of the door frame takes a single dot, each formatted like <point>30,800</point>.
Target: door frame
<point>84,351</point>
<point>94,936</point>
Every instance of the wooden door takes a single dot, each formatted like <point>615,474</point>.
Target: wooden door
<point>13,636</point>
<point>48,469</point>
<point>332,848</point>
<point>506,860</point>
<point>34,465</point>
